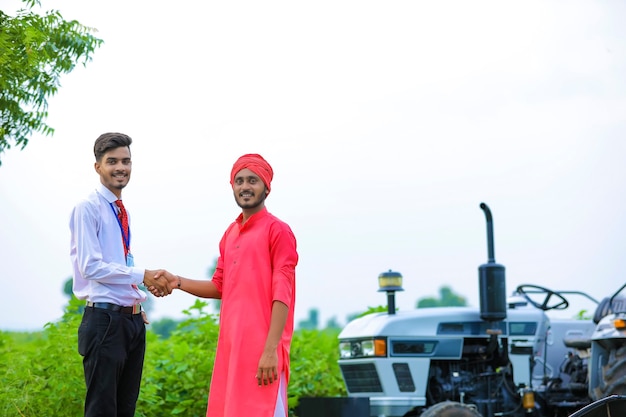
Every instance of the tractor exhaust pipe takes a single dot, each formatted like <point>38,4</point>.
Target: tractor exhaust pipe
<point>489,218</point>
<point>491,279</point>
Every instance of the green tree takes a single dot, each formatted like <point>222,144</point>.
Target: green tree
<point>311,322</point>
<point>164,327</point>
<point>35,50</point>
<point>447,298</point>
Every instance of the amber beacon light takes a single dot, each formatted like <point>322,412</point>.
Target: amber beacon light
<point>390,282</point>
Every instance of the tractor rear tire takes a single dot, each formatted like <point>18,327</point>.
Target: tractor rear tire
<point>613,375</point>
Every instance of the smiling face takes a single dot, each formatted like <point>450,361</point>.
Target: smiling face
<point>114,169</point>
<point>249,191</point>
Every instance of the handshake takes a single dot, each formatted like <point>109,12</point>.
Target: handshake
<point>160,282</point>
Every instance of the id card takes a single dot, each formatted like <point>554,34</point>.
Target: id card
<point>130,261</point>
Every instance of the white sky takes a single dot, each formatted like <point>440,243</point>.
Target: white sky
<point>386,123</point>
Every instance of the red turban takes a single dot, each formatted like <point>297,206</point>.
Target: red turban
<point>255,163</point>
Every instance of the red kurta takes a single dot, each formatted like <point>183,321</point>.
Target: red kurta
<point>256,267</point>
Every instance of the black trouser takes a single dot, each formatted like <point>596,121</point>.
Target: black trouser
<point>113,345</point>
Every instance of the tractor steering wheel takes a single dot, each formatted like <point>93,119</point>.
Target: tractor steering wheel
<point>560,304</point>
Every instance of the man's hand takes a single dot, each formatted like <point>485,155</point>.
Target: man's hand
<point>158,282</point>
<point>267,371</point>
<point>163,276</point>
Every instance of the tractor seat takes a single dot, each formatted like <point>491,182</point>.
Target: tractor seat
<point>606,307</point>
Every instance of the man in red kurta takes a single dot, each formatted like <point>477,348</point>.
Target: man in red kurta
<point>255,278</point>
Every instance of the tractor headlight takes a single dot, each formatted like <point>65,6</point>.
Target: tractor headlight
<point>345,350</point>
<point>619,324</point>
<point>363,348</point>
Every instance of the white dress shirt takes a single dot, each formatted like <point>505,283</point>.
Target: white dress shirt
<point>97,253</point>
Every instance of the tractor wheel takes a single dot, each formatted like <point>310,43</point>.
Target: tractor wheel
<point>613,375</point>
<point>413,413</point>
<point>451,409</point>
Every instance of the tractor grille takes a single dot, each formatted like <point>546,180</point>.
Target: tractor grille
<point>403,377</point>
<point>361,378</point>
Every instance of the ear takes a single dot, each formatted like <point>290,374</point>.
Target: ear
<point>96,166</point>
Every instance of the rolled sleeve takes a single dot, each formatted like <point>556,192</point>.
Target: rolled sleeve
<point>284,261</point>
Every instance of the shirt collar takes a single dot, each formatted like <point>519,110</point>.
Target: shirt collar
<point>106,193</point>
<point>258,215</point>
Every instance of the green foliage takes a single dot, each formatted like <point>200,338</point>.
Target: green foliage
<point>177,370</point>
<point>44,375</point>
<point>67,287</point>
<point>164,327</point>
<point>35,51</point>
<point>314,368</point>
<point>447,298</point>
<point>370,310</point>
<point>583,315</point>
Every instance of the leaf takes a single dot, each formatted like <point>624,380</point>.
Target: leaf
<point>35,51</point>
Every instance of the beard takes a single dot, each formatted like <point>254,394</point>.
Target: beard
<point>251,204</point>
<point>113,183</point>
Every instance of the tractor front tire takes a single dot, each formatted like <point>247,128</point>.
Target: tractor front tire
<point>613,375</point>
<point>451,409</point>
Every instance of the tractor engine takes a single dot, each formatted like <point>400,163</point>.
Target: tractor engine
<point>483,374</point>
<point>481,377</point>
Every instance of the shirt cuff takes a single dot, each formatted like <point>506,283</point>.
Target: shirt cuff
<point>136,275</point>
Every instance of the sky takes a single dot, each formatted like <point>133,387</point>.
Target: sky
<point>386,124</point>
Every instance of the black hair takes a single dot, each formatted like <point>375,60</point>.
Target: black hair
<point>108,141</point>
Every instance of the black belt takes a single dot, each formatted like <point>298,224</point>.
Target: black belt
<point>136,309</point>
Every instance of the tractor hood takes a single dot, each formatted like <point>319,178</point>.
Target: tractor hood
<point>435,321</point>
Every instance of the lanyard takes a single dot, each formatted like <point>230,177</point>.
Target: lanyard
<point>125,238</point>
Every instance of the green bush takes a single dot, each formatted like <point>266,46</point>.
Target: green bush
<point>43,371</point>
<point>44,374</point>
<point>314,368</point>
<point>177,370</point>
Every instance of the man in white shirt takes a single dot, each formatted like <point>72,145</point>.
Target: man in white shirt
<point>112,334</point>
